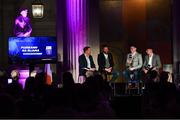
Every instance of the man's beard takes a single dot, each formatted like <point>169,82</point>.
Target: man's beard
<point>106,52</point>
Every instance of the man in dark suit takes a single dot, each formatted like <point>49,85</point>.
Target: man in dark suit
<point>106,63</point>
<point>151,62</point>
<point>86,62</point>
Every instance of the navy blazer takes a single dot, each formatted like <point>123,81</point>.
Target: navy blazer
<point>83,64</point>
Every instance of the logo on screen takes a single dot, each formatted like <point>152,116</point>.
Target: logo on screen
<point>48,50</point>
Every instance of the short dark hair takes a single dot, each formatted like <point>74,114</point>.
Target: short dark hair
<point>149,48</point>
<point>86,48</point>
<point>133,46</point>
<point>105,46</point>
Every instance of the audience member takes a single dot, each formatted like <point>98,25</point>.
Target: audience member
<point>87,100</point>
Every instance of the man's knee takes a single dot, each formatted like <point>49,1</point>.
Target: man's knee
<point>115,73</point>
<point>124,72</point>
<point>136,73</point>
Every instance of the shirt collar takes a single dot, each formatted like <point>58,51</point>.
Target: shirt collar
<point>86,55</point>
<point>134,53</point>
<point>105,53</point>
<point>151,55</point>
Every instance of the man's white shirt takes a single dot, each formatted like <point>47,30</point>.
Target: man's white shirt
<point>88,61</point>
<point>105,55</point>
<point>150,60</point>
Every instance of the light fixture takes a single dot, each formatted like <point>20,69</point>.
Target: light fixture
<point>37,9</point>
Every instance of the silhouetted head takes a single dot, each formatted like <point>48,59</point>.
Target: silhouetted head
<point>153,75</point>
<point>164,77</point>
<point>15,89</point>
<point>68,79</point>
<point>40,79</point>
<point>30,84</point>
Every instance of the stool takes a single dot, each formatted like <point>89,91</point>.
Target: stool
<point>112,84</point>
<point>133,84</point>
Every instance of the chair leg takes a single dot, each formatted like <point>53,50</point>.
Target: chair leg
<point>114,87</point>
<point>126,88</point>
<point>129,90</point>
<point>138,88</point>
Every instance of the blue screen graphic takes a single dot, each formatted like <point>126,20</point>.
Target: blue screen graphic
<point>32,49</point>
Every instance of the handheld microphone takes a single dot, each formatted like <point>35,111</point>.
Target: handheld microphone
<point>148,67</point>
<point>130,59</point>
<point>130,56</point>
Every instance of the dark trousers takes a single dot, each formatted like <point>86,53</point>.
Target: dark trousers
<point>127,74</point>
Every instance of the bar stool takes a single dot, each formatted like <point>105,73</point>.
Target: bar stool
<point>111,78</point>
<point>133,84</point>
<point>111,84</point>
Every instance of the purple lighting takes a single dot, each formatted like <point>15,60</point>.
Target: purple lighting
<point>24,74</point>
<point>22,26</point>
<point>76,32</point>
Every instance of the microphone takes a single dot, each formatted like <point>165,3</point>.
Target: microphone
<point>148,67</point>
<point>130,56</point>
<point>130,59</point>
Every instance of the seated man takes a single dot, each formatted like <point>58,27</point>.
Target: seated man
<point>133,64</point>
<point>151,62</point>
<point>106,63</point>
<point>86,63</point>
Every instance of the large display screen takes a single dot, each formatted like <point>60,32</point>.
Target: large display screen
<point>32,49</point>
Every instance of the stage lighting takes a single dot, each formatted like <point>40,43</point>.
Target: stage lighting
<point>33,73</point>
<point>37,9</point>
<point>15,74</point>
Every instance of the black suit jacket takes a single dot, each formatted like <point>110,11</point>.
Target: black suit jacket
<point>102,61</point>
<point>83,64</point>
